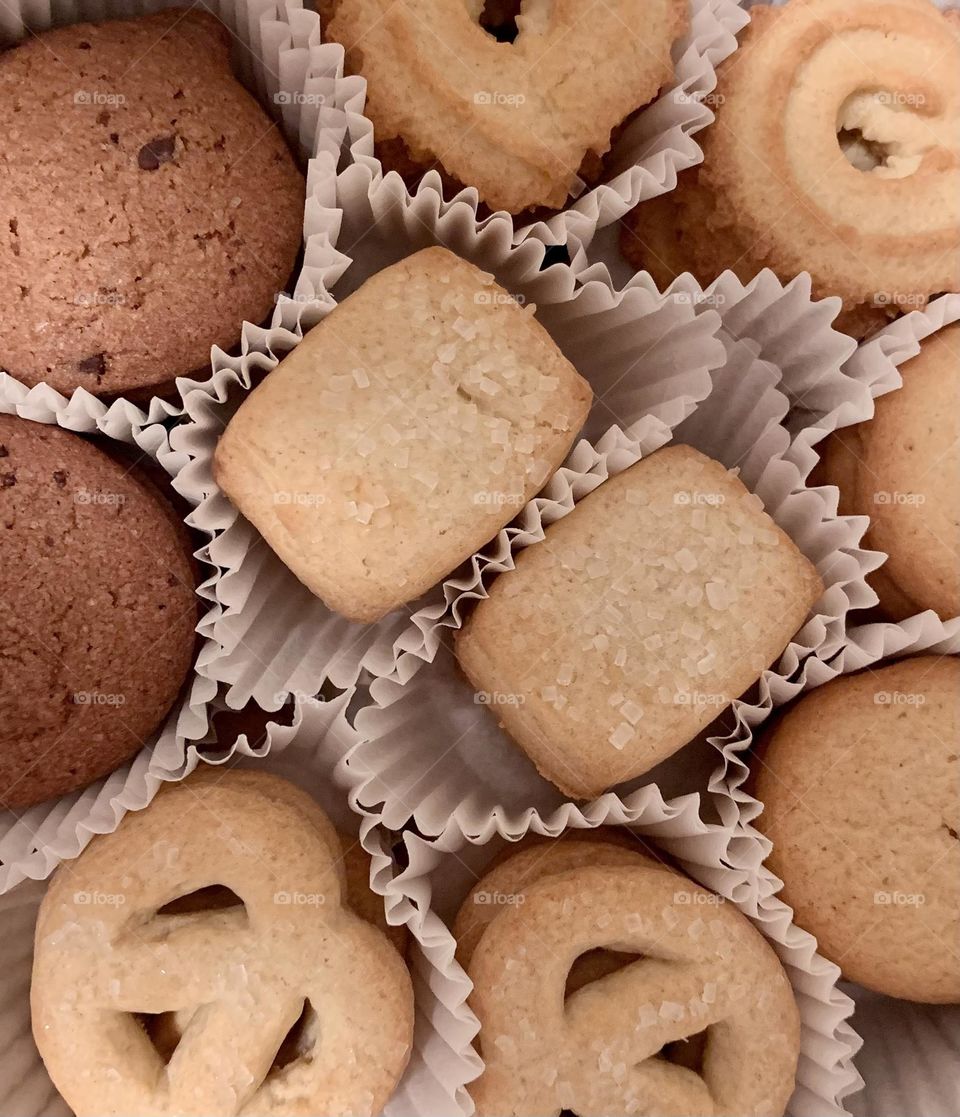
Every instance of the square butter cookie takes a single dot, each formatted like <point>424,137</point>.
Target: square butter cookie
<point>643,613</point>
<point>402,433</point>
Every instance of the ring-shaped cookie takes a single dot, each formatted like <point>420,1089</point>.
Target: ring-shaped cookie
<point>514,119</point>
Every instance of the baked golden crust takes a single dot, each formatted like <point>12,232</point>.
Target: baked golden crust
<point>882,79</point>
<point>515,120</point>
<point>900,468</point>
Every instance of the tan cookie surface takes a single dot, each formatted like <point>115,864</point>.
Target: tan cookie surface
<point>506,880</point>
<point>516,120</point>
<point>288,972</point>
<point>901,469</point>
<point>361,897</point>
<point>859,784</point>
<point>703,968</point>
<point>404,431</point>
<point>877,78</point>
<point>99,611</point>
<point>661,597</point>
<point>150,203</point>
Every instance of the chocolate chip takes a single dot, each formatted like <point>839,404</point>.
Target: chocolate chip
<point>178,95</point>
<point>219,145</point>
<point>114,137</point>
<point>60,477</point>
<point>103,117</point>
<point>156,152</point>
<point>94,366</point>
<point>83,45</point>
<point>8,480</point>
<point>4,452</point>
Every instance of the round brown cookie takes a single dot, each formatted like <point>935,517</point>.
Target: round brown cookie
<point>150,204</point>
<point>860,784</point>
<point>900,468</point>
<point>98,614</point>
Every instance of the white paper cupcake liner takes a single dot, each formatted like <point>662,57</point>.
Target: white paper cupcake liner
<point>427,893</point>
<point>654,148</point>
<point>309,752</point>
<point>278,53</point>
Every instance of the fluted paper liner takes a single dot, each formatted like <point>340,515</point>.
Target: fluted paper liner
<point>653,149</point>
<point>277,51</point>
<point>308,752</point>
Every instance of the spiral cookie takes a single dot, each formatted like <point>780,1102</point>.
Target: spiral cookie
<point>518,119</point>
<point>605,1047</point>
<point>836,151</point>
<point>292,1005</point>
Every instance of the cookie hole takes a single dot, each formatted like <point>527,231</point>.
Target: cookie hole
<point>163,1032</point>
<point>499,19</point>
<point>880,132</point>
<point>595,964</point>
<point>688,1053</point>
<point>215,897</point>
<point>299,1042</point>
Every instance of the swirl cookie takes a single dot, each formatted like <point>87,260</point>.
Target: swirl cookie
<point>98,615</point>
<point>900,468</point>
<point>859,786</point>
<point>293,1004</point>
<point>692,976</point>
<point>516,119</point>
<point>659,599</point>
<point>150,205</point>
<point>443,406</point>
<point>836,151</point>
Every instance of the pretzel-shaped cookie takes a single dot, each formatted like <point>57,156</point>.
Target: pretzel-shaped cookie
<point>513,119</point>
<point>877,79</point>
<point>239,978</point>
<point>599,1052</point>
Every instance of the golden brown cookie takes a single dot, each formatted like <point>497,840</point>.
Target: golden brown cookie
<point>402,433</point>
<point>295,1005</point>
<point>516,119</point>
<point>361,897</point>
<point>699,973</point>
<point>836,151</point>
<point>901,468</point>
<point>98,615</point>
<point>150,204</point>
<point>643,613</point>
<point>859,783</point>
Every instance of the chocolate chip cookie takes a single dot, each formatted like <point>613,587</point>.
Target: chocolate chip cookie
<point>149,204</point>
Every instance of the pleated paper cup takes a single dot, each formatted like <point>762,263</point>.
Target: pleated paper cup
<point>657,144</point>
<point>309,751</point>
<point>278,53</point>
<point>438,874</point>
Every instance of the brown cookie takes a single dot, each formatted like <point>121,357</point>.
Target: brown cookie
<point>97,624</point>
<point>859,786</point>
<point>150,205</point>
<point>901,469</point>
